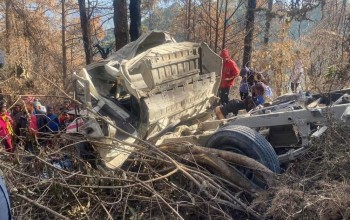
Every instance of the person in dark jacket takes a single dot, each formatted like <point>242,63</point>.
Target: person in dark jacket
<point>27,125</point>
<point>16,109</point>
<point>246,83</point>
<point>250,102</point>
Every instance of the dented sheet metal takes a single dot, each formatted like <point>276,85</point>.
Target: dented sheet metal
<point>149,86</point>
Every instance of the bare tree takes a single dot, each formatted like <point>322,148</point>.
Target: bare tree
<point>210,23</point>
<point>248,39</point>
<point>8,13</point>
<point>217,17</point>
<point>64,47</point>
<point>225,25</point>
<point>227,19</point>
<point>85,28</point>
<point>120,18</point>
<point>135,19</point>
<point>268,21</point>
<point>188,19</point>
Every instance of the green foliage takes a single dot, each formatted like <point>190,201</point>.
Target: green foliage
<point>331,71</point>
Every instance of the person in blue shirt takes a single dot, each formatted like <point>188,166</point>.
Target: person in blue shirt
<point>258,91</point>
<point>53,124</point>
<point>250,102</point>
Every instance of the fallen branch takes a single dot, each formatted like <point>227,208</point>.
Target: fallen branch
<point>40,206</point>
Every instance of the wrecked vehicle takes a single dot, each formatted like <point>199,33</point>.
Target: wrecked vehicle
<point>275,134</point>
<point>162,91</point>
<point>146,88</point>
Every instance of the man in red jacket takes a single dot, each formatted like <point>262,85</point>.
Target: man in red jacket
<point>229,72</point>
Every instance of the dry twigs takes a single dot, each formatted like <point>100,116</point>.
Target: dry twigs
<point>317,185</point>
<point>57,182</point>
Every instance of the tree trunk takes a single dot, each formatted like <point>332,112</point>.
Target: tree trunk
<point>188,20</point>
<point>193,18</point>
<point>151,17</point>
<point>249,27</point>
<point>210,25</point>
<point>268,22</point>
<point>217,26</point>
<point>8,13</point>
<point>85,28</point>
<point>135,19</point>
<point>225,26</point>
<point>64,47</point>
<point>120,19</point>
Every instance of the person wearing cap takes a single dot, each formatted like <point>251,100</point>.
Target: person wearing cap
<point>42,122</point>
<point>6,130</point>
<point>65,119</point>
<point>248,103</point>
<point>38,107</point>
<point>229,72</point>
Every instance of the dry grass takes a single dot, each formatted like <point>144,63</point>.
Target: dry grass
<point>317,185</point>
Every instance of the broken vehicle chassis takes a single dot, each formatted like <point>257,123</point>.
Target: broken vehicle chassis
<point>301,119</point>
<point>304,122</point>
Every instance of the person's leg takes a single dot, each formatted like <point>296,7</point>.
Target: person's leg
<point>243,95</point>
<point>221,92</point>
<point>218,113</point>
<point>233,106</point>
<point>7,142</point>
<point>294,87</point>
<point>224,95</point>
<point>28,146</point>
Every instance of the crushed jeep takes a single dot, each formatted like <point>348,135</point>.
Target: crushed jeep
<point>162,91</point>
<point>146,88</point>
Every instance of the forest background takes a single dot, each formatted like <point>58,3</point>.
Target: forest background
<point>55,38</point>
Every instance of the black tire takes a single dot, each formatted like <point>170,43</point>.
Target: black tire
<point>245,141</point>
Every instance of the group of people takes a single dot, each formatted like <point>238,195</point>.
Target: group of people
<point>32,122</point>
<point>253,88</point>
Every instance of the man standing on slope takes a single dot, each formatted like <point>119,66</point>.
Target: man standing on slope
<point>229,72</point>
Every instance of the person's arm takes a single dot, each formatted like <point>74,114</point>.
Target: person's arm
<point>234,71</point>
<point>58,123</point>
<point>10,119</point>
